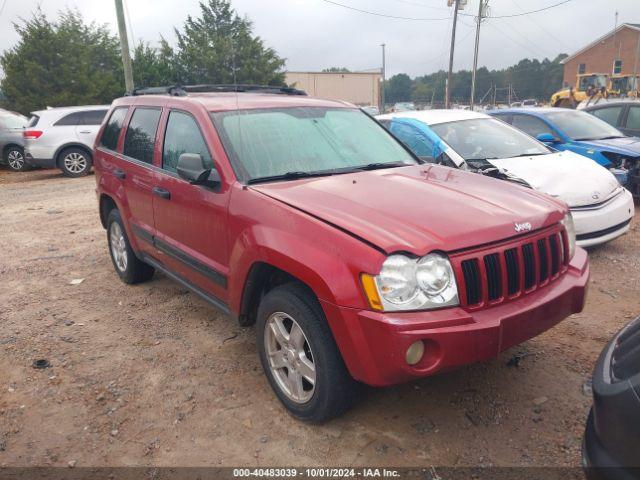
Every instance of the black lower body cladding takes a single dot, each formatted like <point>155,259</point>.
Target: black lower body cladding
<point>611,448</point>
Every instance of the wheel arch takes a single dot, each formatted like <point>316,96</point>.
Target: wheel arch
<point>62,148</point>
<point>261,278</point>
<point>9,145</point>
<point>106,204</point>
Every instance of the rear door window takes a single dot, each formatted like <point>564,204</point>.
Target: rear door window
<point>93,117</point>
<point>71,119</point>
<point>531,125</point>
<point>608,114</point>
<point>141,134</point>
<point>633,120</point>
<point>183,136</point>
<point>112,129</point>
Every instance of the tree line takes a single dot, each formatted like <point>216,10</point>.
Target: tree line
<point>67,61</point>
<point>70,62</point>
<point>528,79</point>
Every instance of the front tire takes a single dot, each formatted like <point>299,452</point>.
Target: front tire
<point>129,268</point>
<point>300,357</point>
<point>75,162</point>
<point>14,156</point>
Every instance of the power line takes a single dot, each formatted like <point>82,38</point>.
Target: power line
<point>541,27</point>
<point>408,2</point>
<point>523,13</point>
<point>396,17</point>
<point>4,3</point>
<point>133,35</point>
<point>381,14</point>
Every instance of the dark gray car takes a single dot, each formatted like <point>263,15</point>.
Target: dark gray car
<point>11,141</point>
<point>622,114</point>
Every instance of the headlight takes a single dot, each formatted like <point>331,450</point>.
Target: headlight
<point>567,222</point>
<point>412,284</point>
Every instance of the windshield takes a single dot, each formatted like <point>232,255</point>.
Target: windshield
<point>582,126</point>
<point>487,138</point>
<point>306,140</point>
<point>597,81</point>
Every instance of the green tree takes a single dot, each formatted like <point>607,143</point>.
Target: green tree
<point>58,63</point>
<point>211,48</point>
<point>154,66</point>
<point>398,88</point>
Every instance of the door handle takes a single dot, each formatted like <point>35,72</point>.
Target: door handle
<point>119,173</point>
<point>85,131</point>
<point>161,192</point>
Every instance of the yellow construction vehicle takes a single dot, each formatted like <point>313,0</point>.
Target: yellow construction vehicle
<point>623,86</point>
<point>570,97</point>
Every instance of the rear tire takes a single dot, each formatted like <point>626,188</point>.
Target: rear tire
<point>74,162</point>
<point>129,268</point>
<point>295,346</point>
<point>14,156</point>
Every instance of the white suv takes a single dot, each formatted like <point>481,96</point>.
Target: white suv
<point>63,138</point>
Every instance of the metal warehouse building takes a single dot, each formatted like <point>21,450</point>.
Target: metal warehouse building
<point>359,88</point>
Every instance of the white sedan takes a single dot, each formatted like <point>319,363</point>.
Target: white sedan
<point>602,209</point>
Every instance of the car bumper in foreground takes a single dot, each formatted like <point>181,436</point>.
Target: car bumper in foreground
<point>374,344</point>
<point>598,463</point>
<point>611,447</point>
<point>604,222</point>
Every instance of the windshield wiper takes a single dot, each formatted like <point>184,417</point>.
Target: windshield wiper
<point>380,165</point>
<point>529,154</point>
<point>610,137</point>
<point>483,159</point>
<point>288,176</point>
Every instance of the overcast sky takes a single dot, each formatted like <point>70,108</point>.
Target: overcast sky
<point>314,34</point>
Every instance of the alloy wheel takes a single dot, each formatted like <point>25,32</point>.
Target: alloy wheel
<point>290,358</point>
<point>118,247</point>
<point>75,162</point>
<point>16,159</point>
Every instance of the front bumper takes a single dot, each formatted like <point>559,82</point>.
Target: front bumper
<point>604,222</point>
<point>374,344</point>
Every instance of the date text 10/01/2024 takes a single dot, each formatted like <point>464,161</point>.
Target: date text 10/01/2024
<point>317,472</point>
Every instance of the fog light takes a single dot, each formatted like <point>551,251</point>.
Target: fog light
<point>415,352</point>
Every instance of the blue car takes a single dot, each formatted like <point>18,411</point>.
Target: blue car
<point>580,132</point>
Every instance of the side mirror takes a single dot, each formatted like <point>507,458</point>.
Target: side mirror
<point>191,167</point>
<point>546,138</point>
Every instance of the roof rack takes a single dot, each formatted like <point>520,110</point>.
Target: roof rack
<point>184,90</point>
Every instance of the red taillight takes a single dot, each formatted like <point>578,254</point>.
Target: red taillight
<point>32,134</point>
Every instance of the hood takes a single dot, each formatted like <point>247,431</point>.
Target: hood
<point>574,179</point>
<point>623,145</point>
<point>420,208</point>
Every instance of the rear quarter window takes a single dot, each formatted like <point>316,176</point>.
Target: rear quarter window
<point>112,129</point>
<point>71,119</point>
<point>93,117</point>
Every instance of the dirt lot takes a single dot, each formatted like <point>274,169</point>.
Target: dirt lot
<point>151,375</point>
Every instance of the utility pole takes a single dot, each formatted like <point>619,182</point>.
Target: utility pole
<point>447,98</point>
<point>124,46</point>
<point>481,12</point>
<point>384,72</point>
<point>509,95</point>
<point>635,83</point>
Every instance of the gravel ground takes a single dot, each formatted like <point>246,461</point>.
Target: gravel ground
<point>151,375</point>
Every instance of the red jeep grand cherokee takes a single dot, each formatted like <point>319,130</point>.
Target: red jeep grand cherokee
<point>356,261</point>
